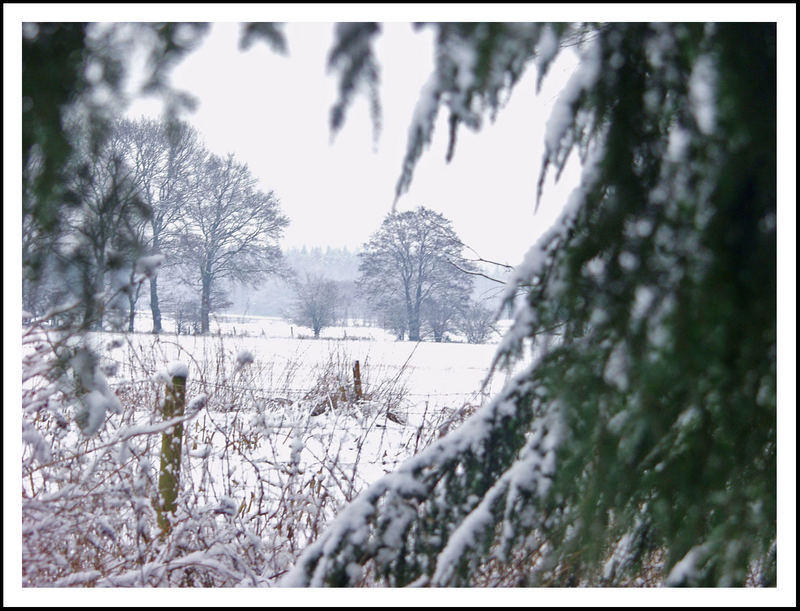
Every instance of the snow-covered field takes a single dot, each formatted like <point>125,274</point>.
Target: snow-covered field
<point>277,439</point>
<point>428,369</point>
<point>426,382</point>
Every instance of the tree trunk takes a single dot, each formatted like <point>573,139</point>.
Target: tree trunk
<point>154,306</point>
<point>205,304</point>
<point>93,315</point>
<point>414,322</point>
<point>133,299</point>
<point>412,314</point>
<point>131,313</point>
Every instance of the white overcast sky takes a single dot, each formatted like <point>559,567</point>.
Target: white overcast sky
<point>272,112</point>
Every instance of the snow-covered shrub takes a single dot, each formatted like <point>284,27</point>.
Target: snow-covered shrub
<point>262,471</point>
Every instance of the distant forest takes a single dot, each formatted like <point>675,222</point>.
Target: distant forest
<point>274,297</point>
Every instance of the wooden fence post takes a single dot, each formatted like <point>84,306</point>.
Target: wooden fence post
<point>357,381</point>
<point>170,474</point>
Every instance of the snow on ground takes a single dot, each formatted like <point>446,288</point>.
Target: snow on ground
<point>431,381</point>
<point>427,369</point>
<point>273,433</point>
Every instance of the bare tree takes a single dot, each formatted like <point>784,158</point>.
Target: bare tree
<point>387,311</point>
<point>164,156</point>
<point>412,260</point>
<point>477,323</point>
<point>103,240</point>
<point>442,309</point>
<point>230,230</point>
<point>316,303</point>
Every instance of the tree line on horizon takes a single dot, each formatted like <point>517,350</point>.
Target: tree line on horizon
<point>150,197</point>
<point>154,207</point>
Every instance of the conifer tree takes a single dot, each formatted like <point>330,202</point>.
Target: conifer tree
<point>642,438</point>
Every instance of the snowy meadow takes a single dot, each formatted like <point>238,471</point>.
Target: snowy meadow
<point>279,432</point>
